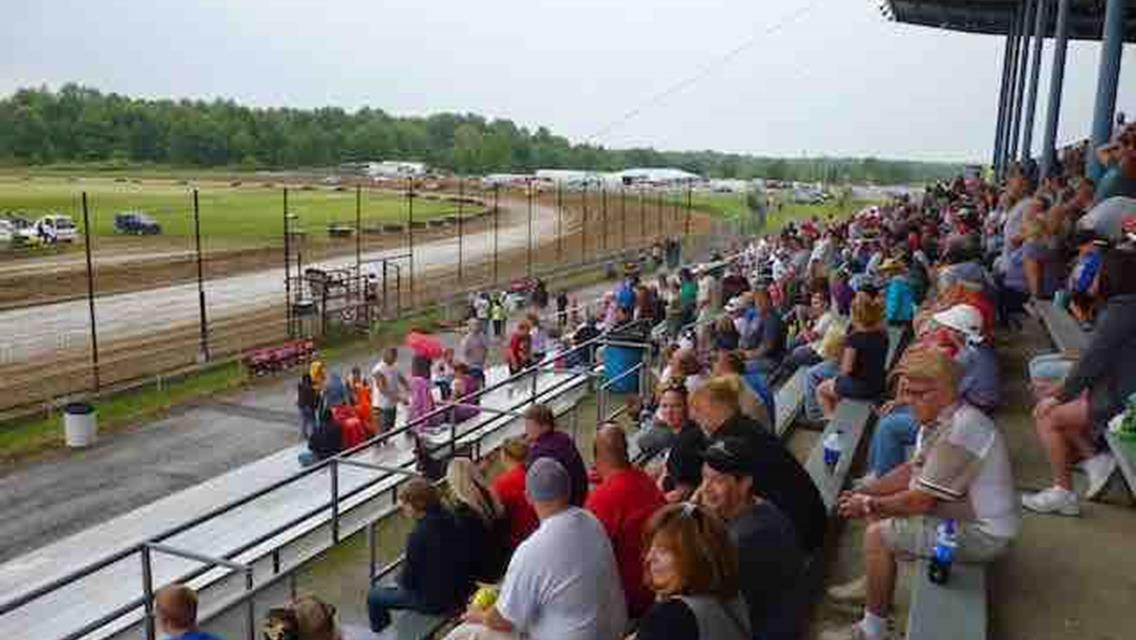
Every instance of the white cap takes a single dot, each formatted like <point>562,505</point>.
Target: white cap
<point>963,318</point>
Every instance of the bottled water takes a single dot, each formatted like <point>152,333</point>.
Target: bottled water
<point>943,556</point>
<point>832,449</point>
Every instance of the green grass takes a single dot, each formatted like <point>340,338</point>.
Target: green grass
<point>252,211</point>
<point>733,206</point>
<point>28,436</point>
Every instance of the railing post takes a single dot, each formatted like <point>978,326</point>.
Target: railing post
<point>461,227</point>
<point>147,591</point>
<point>250,606</point>
<point>371,561</point>
<point>333,469</point>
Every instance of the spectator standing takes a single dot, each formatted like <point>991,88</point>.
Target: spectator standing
<point>692,566</point>
<point>546,442</point>
<point>519,355</point>
<point>497,315</point>
<point>481,519</point>
<point>623,501</point>
<point>360,388</point>
<point>474,349</point>
<point>770,560</point>
<point>389,388</point>
<point>465,386</point>
<point>899,299</point>
<point>509,487</point>
<point>433,578</point>
<point>421,398</point>
<point>307,401</point>
<point>175,610</point>
<point>961,471</point>
<point>777,475</point>
<point>443,373</point>
<point>562,583</point>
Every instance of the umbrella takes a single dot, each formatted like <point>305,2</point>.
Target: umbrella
<point>425,345</point>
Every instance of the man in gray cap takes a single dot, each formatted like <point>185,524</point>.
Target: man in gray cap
<point>562,582</point>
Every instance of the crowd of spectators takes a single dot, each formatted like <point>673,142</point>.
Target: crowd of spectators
<point>714,539</point>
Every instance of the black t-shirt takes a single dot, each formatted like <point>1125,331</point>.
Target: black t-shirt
<point>770,564</point>
<point>779,478</point>
<point>670,619</point>
<point>871,354</point>
<point>684,462</point>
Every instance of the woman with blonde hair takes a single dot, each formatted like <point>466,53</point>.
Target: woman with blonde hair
<point>481,519</point>
<point>692,566</point>
<point>863,364</point>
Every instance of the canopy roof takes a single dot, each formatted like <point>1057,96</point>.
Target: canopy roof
<point>995,16</point>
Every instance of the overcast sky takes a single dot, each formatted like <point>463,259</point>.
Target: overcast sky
<point>832,79</point>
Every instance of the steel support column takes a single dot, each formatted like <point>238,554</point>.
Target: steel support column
<point>1011,90</point>
<point>1000,125</point>
<point>1112,48</point>
<point>1056,83</point>
<point>1041,20</point>
<point>1023,65</point>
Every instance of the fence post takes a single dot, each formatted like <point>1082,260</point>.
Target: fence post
<point>496,226</point>
<point>689,195</point>
<point>584,225</point>
<point>659,210</point>
<point>204,322</point>
<point>358,235</point>
<point>384,309</point>
<point>461,227</point>
<point>371,548</point>
<point>603,234</point>
<point>87,233</point>
<point>559,221</point>
<point>410,229</point>
<point>287,267</point>
<point>642,217</point>
<point>622,217</point>
<point>529,188</point>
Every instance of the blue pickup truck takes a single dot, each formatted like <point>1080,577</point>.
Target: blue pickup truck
<point>136,223</point>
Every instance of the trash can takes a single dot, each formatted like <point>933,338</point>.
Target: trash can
<point>79,424</point>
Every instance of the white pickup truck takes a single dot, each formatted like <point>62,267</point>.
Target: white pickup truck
<point>56,227</point>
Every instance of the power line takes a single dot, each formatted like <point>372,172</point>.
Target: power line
<point>705,70</point>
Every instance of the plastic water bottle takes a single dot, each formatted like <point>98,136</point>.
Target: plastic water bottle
<point>832,449</point>
<point>943,556</point>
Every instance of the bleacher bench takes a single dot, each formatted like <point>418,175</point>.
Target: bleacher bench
<point>1063,329</point>
<point>788,401</point>
<point>952,611</point>
<point>1124,450</point>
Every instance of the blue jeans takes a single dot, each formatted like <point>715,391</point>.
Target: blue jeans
<point>894,433</point>
<point>382,599</point>
<point>817,374</point>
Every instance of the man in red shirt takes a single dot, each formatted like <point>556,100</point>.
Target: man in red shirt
<point>510,490</point>
<point>623,501</point>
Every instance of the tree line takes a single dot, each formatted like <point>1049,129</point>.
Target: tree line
<point>81,124</point>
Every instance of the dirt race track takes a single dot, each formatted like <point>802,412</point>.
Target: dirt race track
<point>47,353</point>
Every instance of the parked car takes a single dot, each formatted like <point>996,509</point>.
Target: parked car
<point>137,223</point>
<point>7,231</point>
<point>23,231</point>
<point>56,227</point>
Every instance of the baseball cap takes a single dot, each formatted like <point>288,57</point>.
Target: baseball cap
<point>729,455</point>
<point>547,480</point>
<point>963,318</point>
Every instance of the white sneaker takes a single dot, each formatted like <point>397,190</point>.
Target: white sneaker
<point>1099,469</point>
<point>1053,500</point>
<point>855,591</point>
